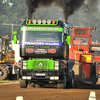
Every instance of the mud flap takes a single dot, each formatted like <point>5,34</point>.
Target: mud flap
<point>70,82</point>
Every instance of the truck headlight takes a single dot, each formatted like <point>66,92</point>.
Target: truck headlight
<point>56,68</point>
<point>34,21</point>
<point>24,67</point>
<point>56,65</point>
<point>24,61</point>
<point>48,21</point>
<point>39,21</point>
<point>25,64</point>
<point>44,21</point>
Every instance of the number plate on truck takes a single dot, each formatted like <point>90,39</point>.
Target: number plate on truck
<point>40,74</point>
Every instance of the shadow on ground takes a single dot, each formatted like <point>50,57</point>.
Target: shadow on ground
<point>81,85</point>
<point>12,77</point>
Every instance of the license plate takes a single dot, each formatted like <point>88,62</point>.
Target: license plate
<point>40,74</point>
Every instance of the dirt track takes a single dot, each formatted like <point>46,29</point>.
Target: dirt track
<point>80,92</point>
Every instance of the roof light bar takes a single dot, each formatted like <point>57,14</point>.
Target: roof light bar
<point>29,21</point>
<point>93,27</point>
<point>34,21</point>
<point>53,22</point>
<point>44,21</point>
<point>71,27</point>
<point>39,21</point>
<point>48,21</point>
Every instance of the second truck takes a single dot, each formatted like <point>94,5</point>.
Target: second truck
<point>44,49</point>
<point>86,55</point>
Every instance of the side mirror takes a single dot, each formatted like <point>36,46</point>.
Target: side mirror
<point>68,40</point>
<point>15,37</point>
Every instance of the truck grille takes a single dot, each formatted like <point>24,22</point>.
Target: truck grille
<point>42,65</point>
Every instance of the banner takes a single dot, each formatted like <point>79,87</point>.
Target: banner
<point>41,43</point>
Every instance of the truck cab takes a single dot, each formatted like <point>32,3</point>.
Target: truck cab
<point>44,49</point>
<point>80,42</point>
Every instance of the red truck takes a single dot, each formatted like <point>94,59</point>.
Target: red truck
<point>81,49</point>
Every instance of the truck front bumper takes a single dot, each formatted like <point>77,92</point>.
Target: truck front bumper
<point>41,75</point>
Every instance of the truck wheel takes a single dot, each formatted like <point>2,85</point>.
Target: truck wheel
<point>70,82</point>
<point>3,73</point>
<point>23,83</point>
<point>73,81</point>
<point>60,86</point>
<point>65,80</point>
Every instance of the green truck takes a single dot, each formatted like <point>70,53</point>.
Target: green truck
<point>44,49</point>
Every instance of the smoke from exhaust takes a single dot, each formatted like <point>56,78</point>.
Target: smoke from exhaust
<point>68,6</point>
<point>91,5</point>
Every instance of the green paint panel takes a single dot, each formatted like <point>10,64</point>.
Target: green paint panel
<point>21,29</point>
<point>40,64</point>
<point>51,64</point>
<point>68,40</point>
<point>45,46</point>
<point>15,32</point>
<point>30,46</point>
<point>15,39</point>
<point>54,29</point>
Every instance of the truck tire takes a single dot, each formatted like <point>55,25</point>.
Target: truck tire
<point>60,86</point>
<point>70,82</point>
<point>93,78</point>
<point>23,83</point>
<point>65,80</point>
<point>3,73</point>
<point>73,81</point>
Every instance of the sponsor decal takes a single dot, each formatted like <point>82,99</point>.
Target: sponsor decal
<point>51,50</point>
<point>42,43</point>
<point>86,58</point>
<point>40,51</point>
<point>29,50</point>
<point>42,29</point>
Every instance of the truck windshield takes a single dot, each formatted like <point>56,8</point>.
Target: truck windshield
<point>43,36</point>
<point>80,41</point>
